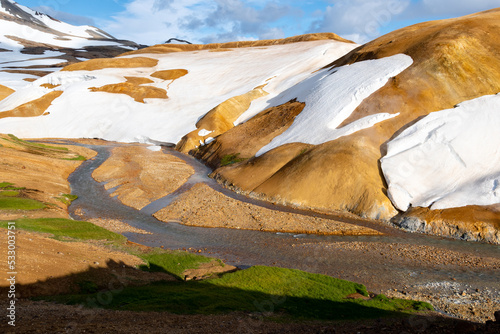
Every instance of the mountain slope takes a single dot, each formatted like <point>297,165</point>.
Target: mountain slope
<point>313,121</point>
<point>97,98</point>
<point>33,44</point>
<point>453,61</point>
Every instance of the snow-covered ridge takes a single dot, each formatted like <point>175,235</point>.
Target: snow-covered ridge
<point>25,34</point>
<point>40,20</point>
<point>450,158</point>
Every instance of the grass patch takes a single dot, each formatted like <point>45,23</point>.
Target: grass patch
<point>78,158</point>
<point>12,199</point>
<point>62,229</point>
<point>172,262</point>
<point>37,145</point>
<point>19,203</point>
<point>230,159</point>
<point>67,198</point>
<point>62,153</point>
<point>9,186</point>
<point>258,289</point>
<point>9,193</point>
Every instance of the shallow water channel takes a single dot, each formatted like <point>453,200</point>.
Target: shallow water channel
<point>320,254</point>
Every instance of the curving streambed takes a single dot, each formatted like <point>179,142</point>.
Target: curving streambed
<point>414,264</point>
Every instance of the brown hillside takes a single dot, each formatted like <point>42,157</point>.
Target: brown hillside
<point>167,48</point>
<point>220,119</point>
<point>5,91</point>
<point>138,80</point>
<point>101,63</point>
<point>138,93</point>
<point>170,74</point>
<point>141,176</point>
<point>33,108</point>
<point>42,170</point>
<point>454,60</point>
<point>476,223</point>
<point>248,138</point>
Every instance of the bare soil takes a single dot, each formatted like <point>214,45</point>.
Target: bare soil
<point>140,175</point>
<point>44,173</point>
<point>205,207</point>
<point>43,317</point>
<point>46,266</point>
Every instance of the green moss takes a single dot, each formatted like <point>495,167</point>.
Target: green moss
<point>19,203</point>
<point>62,153</point>
<point>230,159</point>
<point>259,289</point>
<point>11,198</point>
<point>172,262</point>
<point>37,145</point>
<point>9,193</point>
<point>77,158</point>
<point>64,229</point>
<point>67,198</point>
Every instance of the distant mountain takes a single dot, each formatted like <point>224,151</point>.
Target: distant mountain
<point>177,41</point>
<point>401,129</point>
<point>33,44</point>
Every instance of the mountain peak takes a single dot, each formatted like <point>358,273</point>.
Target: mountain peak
<point>28,36</point>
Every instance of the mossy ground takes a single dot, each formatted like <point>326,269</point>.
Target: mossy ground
<point>12,198</point>
<point>66,229</point>
<point>57,152</point>
<point>273,291</point>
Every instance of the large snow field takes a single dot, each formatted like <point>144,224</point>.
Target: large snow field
<point>450,158</point>
<point>212,78</point>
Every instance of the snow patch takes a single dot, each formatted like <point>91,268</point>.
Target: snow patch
<point>154,148</point>
<point>331,96</point>
<point>204,132</point>
<point>450,158</point>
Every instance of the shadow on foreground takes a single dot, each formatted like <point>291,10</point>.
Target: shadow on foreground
<point>123,299</point>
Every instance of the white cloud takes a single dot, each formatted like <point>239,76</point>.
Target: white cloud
<point>458,7</point>
<point>155,21</point>
<point>360,20</point>
<point>364,20</point>
<point>65,17</point>
<point>206,21</point>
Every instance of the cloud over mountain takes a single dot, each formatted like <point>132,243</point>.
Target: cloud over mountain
<point>155,21</point>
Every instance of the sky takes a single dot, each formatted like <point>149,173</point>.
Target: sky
<point>208,21</point>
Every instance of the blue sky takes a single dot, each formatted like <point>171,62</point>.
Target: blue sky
<point>206,21</point>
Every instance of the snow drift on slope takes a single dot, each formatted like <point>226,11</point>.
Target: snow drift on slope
<point>332,97</point>
<point>217,76</point>
<point>451,158</point>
